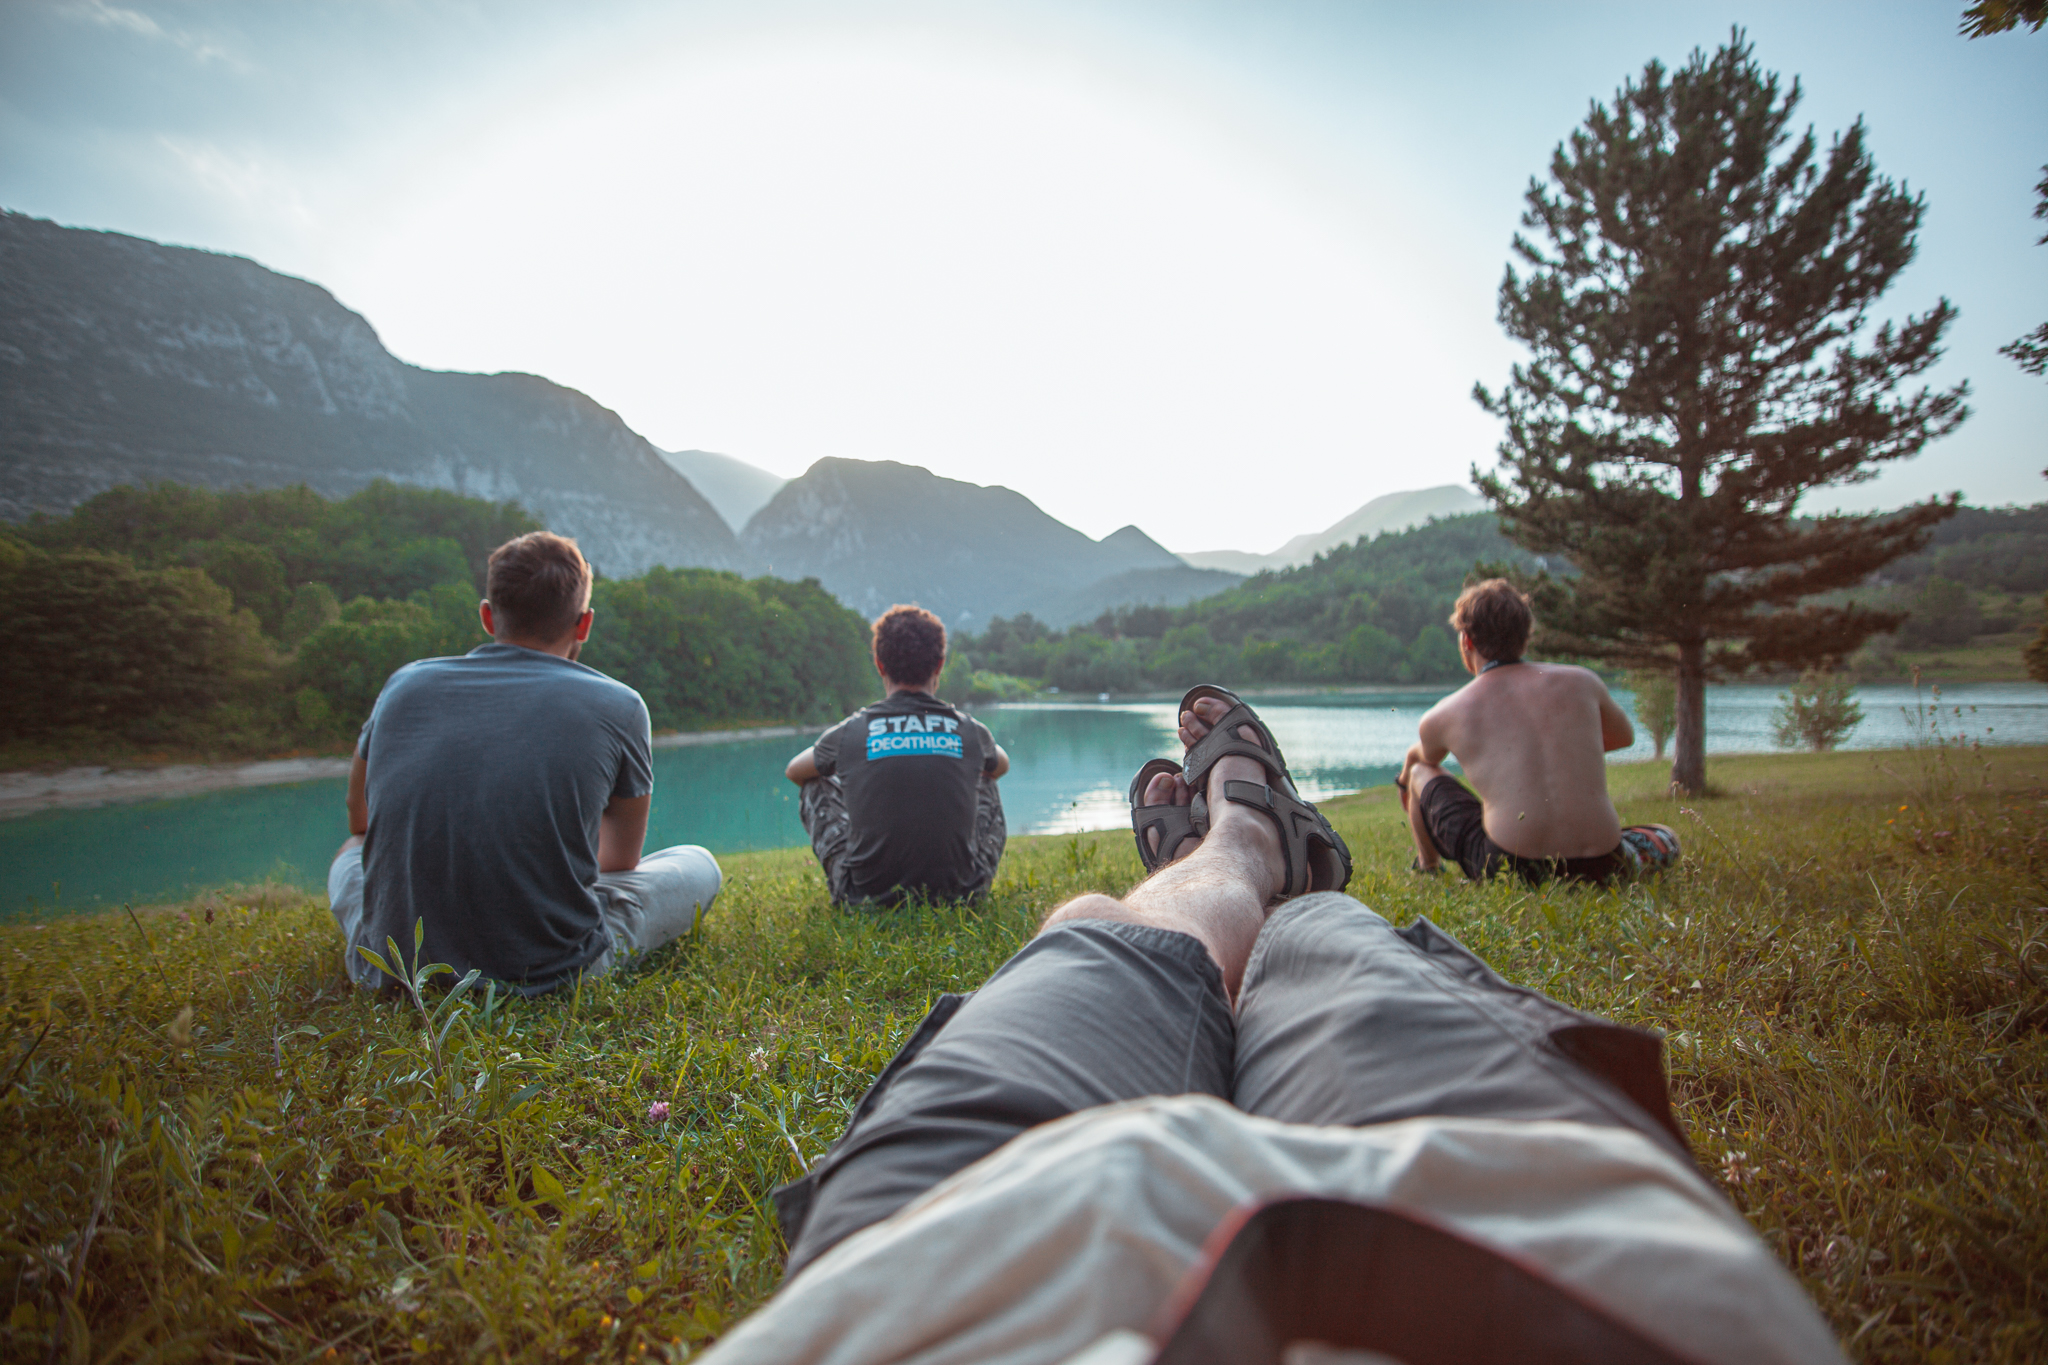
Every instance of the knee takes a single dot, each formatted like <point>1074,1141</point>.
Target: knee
<point>1094,905</point>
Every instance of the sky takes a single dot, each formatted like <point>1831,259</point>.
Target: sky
<point>1223,270</point>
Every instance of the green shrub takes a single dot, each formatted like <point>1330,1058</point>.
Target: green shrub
<point>1655,703</point>
<point>1819,712</point>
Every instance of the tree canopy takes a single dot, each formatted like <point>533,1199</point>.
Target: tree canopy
<point>260,621</point>
<point>1695,296</point>
<point>1986,17</point>
<point>2030,352</point>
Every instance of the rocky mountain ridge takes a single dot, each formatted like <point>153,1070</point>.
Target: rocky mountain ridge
<point>878,532</point>
<point>127,361</point>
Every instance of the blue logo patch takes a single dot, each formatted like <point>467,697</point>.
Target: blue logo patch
<point>894,736</point>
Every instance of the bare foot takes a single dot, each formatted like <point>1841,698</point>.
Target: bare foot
<point>1170,789</point>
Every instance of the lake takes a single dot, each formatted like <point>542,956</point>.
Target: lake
<point>1071,762</point>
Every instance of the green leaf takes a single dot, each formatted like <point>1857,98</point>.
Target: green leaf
<point>519,1097</point>
<point>548,1187</point>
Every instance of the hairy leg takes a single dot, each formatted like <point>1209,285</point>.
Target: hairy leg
<point>1219,893</point>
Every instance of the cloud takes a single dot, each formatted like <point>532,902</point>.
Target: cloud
<point>134,21</point>
<point>244,179</point>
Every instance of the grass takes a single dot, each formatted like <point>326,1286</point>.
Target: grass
<point>217,1150</point>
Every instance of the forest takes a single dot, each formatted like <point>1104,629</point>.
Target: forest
<point>1373,611</point>
<point>178,620</point>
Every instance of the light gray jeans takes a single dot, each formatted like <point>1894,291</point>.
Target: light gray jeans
<point>662,899</point>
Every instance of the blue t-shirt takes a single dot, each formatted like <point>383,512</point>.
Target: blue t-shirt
<point>488,773</point>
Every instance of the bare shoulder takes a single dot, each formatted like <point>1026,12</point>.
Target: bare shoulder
<point>1448,707</point>
<point>1581,677</point>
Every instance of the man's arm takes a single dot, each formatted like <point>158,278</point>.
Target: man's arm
<point>804,767</point>
<point>621,831</point>
<point>1615,730</point>
<point>1429,748</point>
<point>359,796</point>
<point>1002,764</point>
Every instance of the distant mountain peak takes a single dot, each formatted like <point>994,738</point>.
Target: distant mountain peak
<point>1388,512</point>
<point>1143,552</point>
<point>736,488</point>
<point>877,532</point>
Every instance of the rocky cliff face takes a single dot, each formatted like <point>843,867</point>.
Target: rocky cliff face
<point>877,533</point>
<point>125,361</point>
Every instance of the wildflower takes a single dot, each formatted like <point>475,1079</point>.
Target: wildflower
<point>657,1112</point>
<point>759,1058</point>
<point>1735,1167</point>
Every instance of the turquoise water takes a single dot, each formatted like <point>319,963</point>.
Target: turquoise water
<point>1071,763</point>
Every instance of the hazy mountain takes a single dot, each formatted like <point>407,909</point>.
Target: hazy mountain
<point>877,533</point>
<point>736,488</point>
<point>126,361</point>
<point>1174,587</point>
<point>1388,512</point>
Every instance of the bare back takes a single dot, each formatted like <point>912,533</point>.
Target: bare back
<point>1532,739</point>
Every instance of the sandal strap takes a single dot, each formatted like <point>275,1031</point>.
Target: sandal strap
<point>1170,822</point>
<point>1223,740</point>
<point>1303,829</point>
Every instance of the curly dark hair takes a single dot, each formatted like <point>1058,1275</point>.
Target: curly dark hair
<point>1496,617</point>
<point>538,585</point>
<point>910,646</point>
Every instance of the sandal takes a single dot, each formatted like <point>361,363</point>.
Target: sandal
<point>1172,823</point>
<point>1315,854</point>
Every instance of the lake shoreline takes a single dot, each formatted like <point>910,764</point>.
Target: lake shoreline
<point>27,791</point>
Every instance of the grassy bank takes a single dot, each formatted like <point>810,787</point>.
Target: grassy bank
<point>216,1150</point>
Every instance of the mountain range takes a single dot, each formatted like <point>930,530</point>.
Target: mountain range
<point>126,361</point>
<point>736,488</point>
<point>1388,512</point>
<point>877,532</point>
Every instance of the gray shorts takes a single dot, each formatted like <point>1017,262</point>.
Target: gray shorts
<point>662,899</point>
<point>1342,1019</point>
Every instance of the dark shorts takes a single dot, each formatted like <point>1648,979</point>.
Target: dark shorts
<point>1456,824</point>
<point>1342,1020</point>
<point>822,808</point>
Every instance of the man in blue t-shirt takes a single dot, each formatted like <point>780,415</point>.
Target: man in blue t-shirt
<point>502,797</point>
<point>900,797</point>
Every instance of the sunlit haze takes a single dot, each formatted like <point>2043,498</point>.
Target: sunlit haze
<point>1225,271</point>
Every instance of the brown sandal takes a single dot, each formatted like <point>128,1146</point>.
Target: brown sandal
<point>1172,823</point>
<point>1316,856</point>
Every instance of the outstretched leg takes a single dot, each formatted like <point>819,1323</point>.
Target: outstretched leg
<point>1113,1000</point>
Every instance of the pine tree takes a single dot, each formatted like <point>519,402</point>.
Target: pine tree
<point>2030,352</point>
<point>1696,299</point>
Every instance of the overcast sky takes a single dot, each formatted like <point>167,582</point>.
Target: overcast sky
<point>1225,270</point>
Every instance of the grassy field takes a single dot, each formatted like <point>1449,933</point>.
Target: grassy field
<point>216,1150</point>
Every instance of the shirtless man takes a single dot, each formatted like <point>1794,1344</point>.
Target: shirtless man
<point>1532,739</point>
